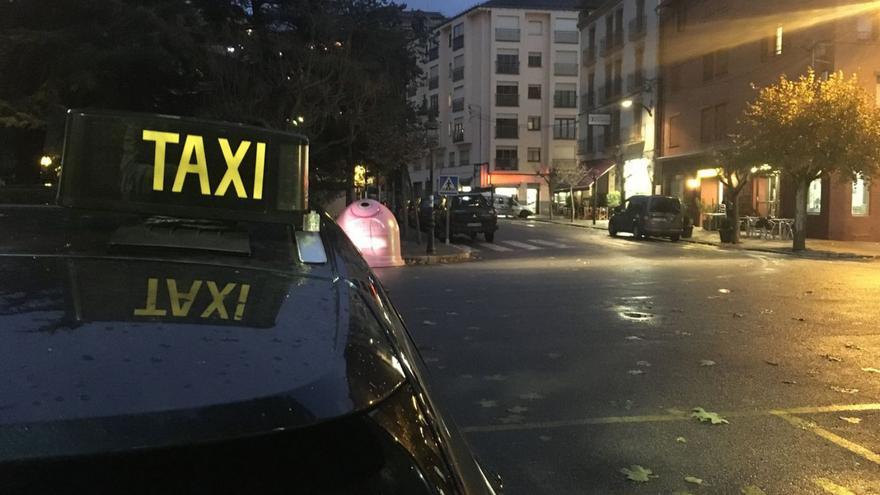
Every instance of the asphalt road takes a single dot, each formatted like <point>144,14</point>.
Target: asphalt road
<point>567,356</point>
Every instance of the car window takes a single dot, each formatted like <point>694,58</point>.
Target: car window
<point>475,201</point>
<point>665,205</point>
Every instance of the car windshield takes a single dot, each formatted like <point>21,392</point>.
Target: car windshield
<point>474,201</point>
<point>665,205</point>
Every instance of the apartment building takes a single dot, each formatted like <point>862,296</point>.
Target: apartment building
<point>712,52</point>
<point>619,69</point>
<point>501,80</point>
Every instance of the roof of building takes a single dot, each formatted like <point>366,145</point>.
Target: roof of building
<point>531,4</point>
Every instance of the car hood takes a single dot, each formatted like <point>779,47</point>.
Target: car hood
<point>99,355</point>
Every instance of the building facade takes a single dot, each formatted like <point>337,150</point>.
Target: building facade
<point>619,79</point>
<point>501,81</point>
<point>713,52</point>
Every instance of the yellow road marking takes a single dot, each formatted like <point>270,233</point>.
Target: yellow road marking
<point>831,487</point>
<point>656,418</point>
<point>831,437</point>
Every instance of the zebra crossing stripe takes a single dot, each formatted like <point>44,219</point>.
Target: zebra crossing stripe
<point>521,245</point>
<point>494,247</point>
<point>549,243</point>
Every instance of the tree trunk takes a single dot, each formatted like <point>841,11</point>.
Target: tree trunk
<point>799,239</point>
<point>571,195</point>
<point>550,187</point>
<point>733,211</point>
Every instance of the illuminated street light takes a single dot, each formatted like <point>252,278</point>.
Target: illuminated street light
<point>301,119</point>
<point>627,103</point>
<point>45,161</point>
<point>693,183</point>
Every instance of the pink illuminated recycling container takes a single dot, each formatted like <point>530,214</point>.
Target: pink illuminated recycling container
<point>374,231</point>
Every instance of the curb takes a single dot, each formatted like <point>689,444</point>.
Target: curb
<point>814,255</point>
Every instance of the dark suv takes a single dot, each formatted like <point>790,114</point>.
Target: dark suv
<point>470,214</point>
<point>648,216</point>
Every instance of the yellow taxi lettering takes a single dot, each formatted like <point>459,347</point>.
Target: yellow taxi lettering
<point>161,139</point>
<point>259,165</point>
<point>217,300</point>
<point>233,161</point>
<point>194,145</point>
<point>242,300</point>
<point>178,309</point>
<point>150,306</point>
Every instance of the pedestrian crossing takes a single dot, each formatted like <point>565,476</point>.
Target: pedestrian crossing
<point>508,246</point>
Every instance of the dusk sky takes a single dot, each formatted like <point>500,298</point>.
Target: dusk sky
<point>447,7</point>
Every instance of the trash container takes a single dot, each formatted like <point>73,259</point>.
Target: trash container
<point>373,229</point>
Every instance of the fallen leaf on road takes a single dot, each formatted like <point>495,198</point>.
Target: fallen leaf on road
<point>850,345</point>
<point>513,418</point>
<point>638,473</point>
<point>844,390</point>
<point>707,362</point>
<point>852,420</point>
<point>636,372</point>
<point>531,396</point>
<point>807,293</point>
<point>771,363</point>
<point>488,403</point>
<point>833,359</point>
<point>799,319</point>
<point>766,311</point>
<point>706,416</point>
<point>683,333</point>
<point>694,480</point>
<point>429,323</point>
<point>789,382</point>
<point>681,439</point>
<point>633,337</point>
<point>752,490</point>
<point>871,370</point>
<point>739,315</point>
<point>517,409</point>
<point>643,364</point>
<point>724,291</point>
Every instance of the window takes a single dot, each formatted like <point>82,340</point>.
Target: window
<point>566,31</point>
<point>506,126</point>
<point>458,36</point>
<point>706,124</point>
<point>452,158</point>
<point>814,197</point>
<point>457,71</point>
<point>721,59</point>
<point>434,105</point>
<point>860,196</point>
<point>507,28</point>
<point>434,77</point>
<point>618,76</point>
<point>507,94</point>
<point>534,154</point>
<point>777,46</point>
<point>534,123</point>
<point>673,131</point>
<point>507,61</point>
<point>536,28</point>
<point>565,128</point>
<point>865,28</point>
<point>464,157</point>
<point>721,121</point>
<point>566,63</point>
<point>505,159</point>
<point>534,91</point>
<point>565,95</point>
<point>534,59</point>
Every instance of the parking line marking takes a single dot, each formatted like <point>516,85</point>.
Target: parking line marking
<point>654,418</point>
<point>521,245</point>
<point>832,487</point>
<point>831,437</point>
<point>494,247</point>
<point>549,243</point>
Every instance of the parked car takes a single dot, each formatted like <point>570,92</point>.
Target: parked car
<point>161,340</point>
<point>423,210</point>
<point>648,216</point>
<point>507,206</point>
<point>470,214</point>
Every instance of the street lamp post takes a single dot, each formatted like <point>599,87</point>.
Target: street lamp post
<point>431,125</point>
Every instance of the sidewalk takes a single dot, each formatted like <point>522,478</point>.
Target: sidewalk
<point>816,248</point>
<point>414,253</point>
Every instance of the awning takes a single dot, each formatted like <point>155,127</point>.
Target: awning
<point>595,169</point>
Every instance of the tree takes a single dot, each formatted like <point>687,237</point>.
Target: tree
<point>570,176</point>
<point>736,164</point>
<point>809,128</point>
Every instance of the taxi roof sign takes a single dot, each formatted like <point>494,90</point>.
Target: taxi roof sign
<point>166,165</point>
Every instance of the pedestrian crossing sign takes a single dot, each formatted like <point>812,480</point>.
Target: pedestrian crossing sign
<point>448,184</point>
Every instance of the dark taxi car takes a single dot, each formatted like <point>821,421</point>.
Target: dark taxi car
<point>648,216</point>
<point>179,322</point>
<point>469,214</point>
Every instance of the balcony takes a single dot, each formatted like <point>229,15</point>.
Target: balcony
<point>458,105</point>
<point>637,28</point>
<point>506,34</point>
<point>588,56</point>
<point>564,163</point>
<point>433,53</point>
<point>604,94</point>
<point>505,129</point>
<point>434,82</point>
<point>635,82</point>
<point>506,163</point>
<point>565,99</point>
<point>506,67</point>
<point>564,69</point>
<point>457,135</point>
<point>506,100</point>
<point>458,43</point>
<point>609,45</point>
<point>458,73</point>
<point>588,100</point>
<point>571,37</point>
<point>564,132</point>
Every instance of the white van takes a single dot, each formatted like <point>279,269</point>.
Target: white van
<point>508,206</point>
